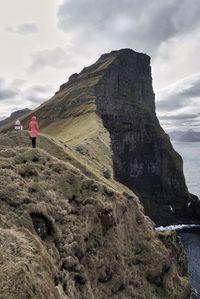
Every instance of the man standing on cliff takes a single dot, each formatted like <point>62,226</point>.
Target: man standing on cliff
<point>33,128</point>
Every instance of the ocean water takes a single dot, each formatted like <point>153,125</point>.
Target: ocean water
<point>190,152</point>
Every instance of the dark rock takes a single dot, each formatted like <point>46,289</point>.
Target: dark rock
<point>107,218</point>
<point>108,191</point>
<point>79,279</point>
<point>105,274</point>
<point>140,221</point>
<point>70,263</point>
<point>143,157</point>
<point>106,173</point>
<point>94,188</point>
<point>42,225</point>
<point>82,150</point>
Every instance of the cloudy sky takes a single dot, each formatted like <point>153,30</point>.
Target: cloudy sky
<point>43,42</point>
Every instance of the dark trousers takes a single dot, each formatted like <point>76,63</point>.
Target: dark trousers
<point>33,142</point>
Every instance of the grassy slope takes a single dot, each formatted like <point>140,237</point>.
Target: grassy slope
<point>70,117</point>
<point>98,242</point>
<point>101,244</point>
<point>89,142</point>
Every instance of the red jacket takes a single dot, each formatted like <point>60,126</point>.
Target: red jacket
<point>33,127</point>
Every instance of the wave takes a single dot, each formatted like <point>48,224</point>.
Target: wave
<point>178,227</point>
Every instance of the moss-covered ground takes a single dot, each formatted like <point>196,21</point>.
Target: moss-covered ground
<point>69,232</point>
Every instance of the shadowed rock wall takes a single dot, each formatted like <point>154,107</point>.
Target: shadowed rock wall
<point>144,159</point>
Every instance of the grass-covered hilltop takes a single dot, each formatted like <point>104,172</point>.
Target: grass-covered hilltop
<point>112,104</point>
<point>71,225</point>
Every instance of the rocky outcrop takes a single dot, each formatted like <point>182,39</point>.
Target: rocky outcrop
<point>65,235</point>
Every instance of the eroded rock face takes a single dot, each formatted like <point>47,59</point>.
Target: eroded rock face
<point>144,159</point>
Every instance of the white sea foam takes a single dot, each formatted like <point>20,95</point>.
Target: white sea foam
<point>176,227</point>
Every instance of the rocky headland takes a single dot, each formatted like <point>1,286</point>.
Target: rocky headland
<point>117,92</point>
<point>71,223</point>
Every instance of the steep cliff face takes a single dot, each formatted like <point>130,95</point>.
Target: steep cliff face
<point>63,234</point>
<point>143,157</point>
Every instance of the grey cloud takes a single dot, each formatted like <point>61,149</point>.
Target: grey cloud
<point>196,125</point>
<point>192,91</point>
<point>180,95</point>
<point>56,58</point>
<point>2,117</point>
<point>170,103</point>
<point>143,24</point>
<point>18,95</point>
<point>18,83</point>
<point>180,123</point>
<point>23,29</point>
<point>36,94</point>
<point>2,82</point>
<point>180,117</point>
<point>179,105</point>
<point>7,94</point>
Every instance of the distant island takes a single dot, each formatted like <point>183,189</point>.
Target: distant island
<point>185,136</point>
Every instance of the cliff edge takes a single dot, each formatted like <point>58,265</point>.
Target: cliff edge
<point>70,210</point>
<point>112,102</point>
<point>65,235</point>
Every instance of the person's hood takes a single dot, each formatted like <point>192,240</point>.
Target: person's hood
<point>33,118</point>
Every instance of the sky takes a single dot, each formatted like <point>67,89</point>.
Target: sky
<point>44,42</point>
